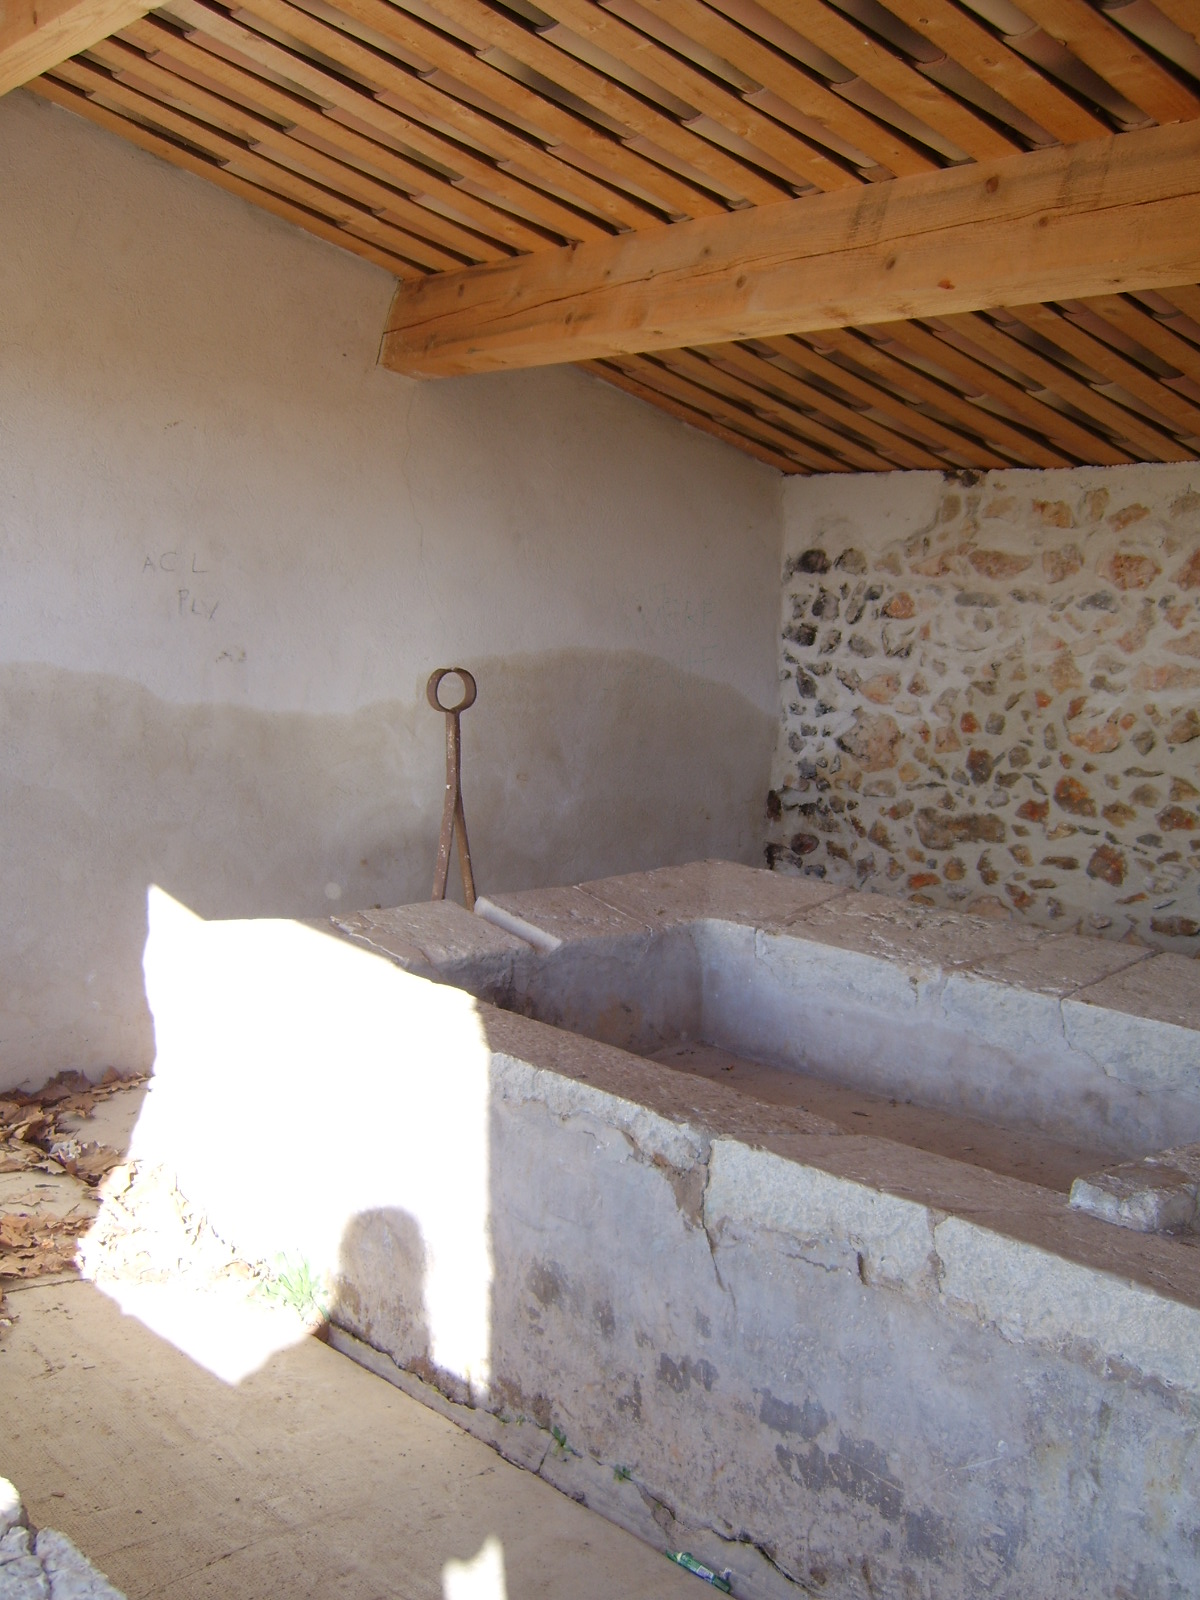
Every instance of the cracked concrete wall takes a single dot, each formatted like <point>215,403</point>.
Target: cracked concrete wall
<point>231,551</point>
<point>808,1399</point>
<point>989,689</point>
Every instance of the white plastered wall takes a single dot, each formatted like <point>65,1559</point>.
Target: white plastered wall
<point>231,550</point>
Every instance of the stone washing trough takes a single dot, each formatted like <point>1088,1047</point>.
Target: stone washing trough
<point>737,1206</point>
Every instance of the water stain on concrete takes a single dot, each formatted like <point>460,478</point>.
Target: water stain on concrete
<point>857,1468</point>
<point>576,764</point>
<point>680,1375</point>
<point>782,1416</point>
<point>546,1282</point>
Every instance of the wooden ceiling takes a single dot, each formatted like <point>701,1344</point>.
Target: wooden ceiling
<point>445,139</point>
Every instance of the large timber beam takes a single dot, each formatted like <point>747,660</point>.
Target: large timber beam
<point>1112,215</point>
<point>36,35</point>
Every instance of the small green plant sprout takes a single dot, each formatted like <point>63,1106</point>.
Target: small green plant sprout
<point>622,1474</point>
<point>560,1441</point>
<point>294,1283</point>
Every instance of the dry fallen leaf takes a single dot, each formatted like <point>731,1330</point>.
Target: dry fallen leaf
<point>60,1088</point>
<point>87,1161</point>
<point>79,1105</point>
<point>96,1161</point>
<point>19,1157</point>
<point>33,1244</point>
<point>39,1263</point>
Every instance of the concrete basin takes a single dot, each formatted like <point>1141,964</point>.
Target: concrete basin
<point>584,1177</point>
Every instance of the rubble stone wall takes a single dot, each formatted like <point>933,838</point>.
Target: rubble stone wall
<point>991,694</point>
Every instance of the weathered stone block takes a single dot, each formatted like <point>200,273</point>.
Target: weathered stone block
<point>435,937</point>
<point>938,831</point>
<point>711,888</point>
<point>1161,1201</point>
<point>1141,1024</point>
<point>881,1237</point>
<point>1059,964</point>
<point>21,1574</point>
<point>71,1576</point>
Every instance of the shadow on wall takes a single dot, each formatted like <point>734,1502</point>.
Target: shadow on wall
<point>577,764</point>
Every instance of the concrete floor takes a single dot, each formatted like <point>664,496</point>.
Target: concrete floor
<point>305,1477</point>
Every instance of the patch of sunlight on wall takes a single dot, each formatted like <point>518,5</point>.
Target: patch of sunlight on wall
<point>479,1578</point>
<point>301,1082</point>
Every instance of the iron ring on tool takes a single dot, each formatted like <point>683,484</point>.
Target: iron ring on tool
<point>453,819</point>
<point>434,684</point>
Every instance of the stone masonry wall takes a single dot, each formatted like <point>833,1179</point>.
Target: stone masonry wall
<point>991,694</point>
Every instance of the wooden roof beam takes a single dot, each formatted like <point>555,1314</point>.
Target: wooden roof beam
<point>1108,216</point>
<point>36,35</point>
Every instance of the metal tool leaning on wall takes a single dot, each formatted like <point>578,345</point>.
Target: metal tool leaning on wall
<point>452,809</point>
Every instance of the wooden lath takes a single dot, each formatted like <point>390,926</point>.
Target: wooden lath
<point>1032,386</point>
<point>433,136</point>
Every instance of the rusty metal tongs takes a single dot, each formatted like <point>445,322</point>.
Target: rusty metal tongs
<point>452,810</point>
